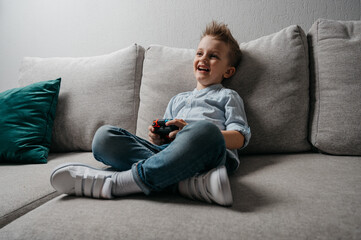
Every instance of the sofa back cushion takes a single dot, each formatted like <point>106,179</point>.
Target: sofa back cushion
<point>273,80</point>
<point>167,71</point>
<point>95,91</point>
<point>335,53</point>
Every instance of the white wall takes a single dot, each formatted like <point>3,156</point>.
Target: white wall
<point>49,28</point>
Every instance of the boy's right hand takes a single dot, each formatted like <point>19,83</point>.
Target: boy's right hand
<point>154,138</point>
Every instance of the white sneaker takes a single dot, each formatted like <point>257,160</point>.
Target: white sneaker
<point>212,186</point>
<point>81,180</point>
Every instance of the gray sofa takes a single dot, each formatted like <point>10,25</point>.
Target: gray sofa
<point>299,177</point>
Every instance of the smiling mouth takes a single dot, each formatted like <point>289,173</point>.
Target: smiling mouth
<point>203,69</point>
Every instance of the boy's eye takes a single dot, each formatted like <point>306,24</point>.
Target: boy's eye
<point>199,54</point>
<point>213,56</point>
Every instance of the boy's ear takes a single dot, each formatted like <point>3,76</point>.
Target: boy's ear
<point>229,73</point>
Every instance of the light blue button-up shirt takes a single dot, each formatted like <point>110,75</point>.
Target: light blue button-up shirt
<point>219,105</point>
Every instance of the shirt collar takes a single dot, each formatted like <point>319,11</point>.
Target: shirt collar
<point>207,89</point>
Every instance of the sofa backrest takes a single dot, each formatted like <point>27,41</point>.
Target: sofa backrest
<point>273,80</point>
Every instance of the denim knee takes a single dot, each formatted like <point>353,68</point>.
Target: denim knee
<point>207,130</point>
<point>100,138</point>
<point>102,143</point>
<point>207,136</point>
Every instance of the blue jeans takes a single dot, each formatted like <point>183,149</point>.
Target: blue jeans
<point>198,147</point>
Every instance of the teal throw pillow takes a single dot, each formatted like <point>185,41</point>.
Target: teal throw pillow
<point>26,121</point>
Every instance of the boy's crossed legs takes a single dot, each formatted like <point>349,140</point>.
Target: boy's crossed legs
<point>144,167</point>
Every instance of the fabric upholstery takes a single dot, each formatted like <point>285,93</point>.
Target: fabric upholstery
<point>278,196</point>
<point>95,91</point>
<point>335,50</point>
<point>24,184</point>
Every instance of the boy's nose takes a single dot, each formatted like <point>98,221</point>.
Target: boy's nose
<point>204,59</point>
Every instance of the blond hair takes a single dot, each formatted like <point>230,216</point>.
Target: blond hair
<point>221,32</point>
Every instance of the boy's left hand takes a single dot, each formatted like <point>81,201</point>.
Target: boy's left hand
<point>180,123</point>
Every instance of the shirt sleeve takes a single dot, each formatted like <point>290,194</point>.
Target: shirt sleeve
<point>236,116</point>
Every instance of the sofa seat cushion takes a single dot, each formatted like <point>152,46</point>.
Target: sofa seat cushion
<point>22,185</point>
<point>94,91</point>
<point>335,53</point>
<point>290,196</point>
<point>272,79</point>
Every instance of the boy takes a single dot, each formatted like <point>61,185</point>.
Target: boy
<point>212,126</point>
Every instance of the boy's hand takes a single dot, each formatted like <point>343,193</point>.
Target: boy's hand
<point>180,123</point>
<point>154,138</point>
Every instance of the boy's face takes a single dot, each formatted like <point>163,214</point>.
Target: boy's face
<point>211,63</point>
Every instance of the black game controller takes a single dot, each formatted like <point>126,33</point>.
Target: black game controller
<point>162,130</point>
